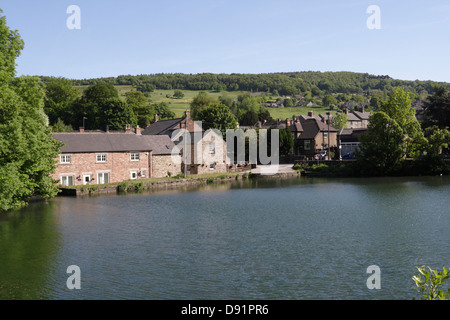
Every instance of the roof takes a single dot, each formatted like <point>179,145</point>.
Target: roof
<point>76,142</point>
<point>362,115</point>
<point>162,127</point>
<point>351,135</point>
<point>311,127</point>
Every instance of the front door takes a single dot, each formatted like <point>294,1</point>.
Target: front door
<point>86,179</point>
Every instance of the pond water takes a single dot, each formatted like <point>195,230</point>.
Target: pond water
<point>299,238</point>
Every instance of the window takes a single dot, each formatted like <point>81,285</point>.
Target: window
<point>133,174</point>
<point>67,180</point>
<point>307,145</point>
<point>143,173</point>
<point>103,177</point>
<point>212,148</point>
<point>65,158</point>
<point>212,166</point>
<point>134,156</point>
<point>325,135</point>
<point>101,157</point>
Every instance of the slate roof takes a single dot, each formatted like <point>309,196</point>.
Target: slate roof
<point>162,127</point>
<point>76,142</point>
<point>311,127</point>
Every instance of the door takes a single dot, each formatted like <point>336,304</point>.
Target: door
<point>87,179</point>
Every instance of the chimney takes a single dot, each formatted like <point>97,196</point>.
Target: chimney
<point>346,110</point>
<point>310,113</point>
<point>187,114</point>
<point>107,128</point>
<point>138,130</point>
<point>128,128</point>
<point>362,109</point>
<point>156,118</point>
<point>288,122</point>
<point>148,125</point>
<point>81,129</point>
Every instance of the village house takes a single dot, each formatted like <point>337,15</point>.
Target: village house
<point>103,157</point>
<point>208,161</point>
<point>317,136</point>
<point>349,141</point>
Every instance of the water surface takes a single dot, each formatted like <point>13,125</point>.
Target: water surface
<point>276,239</point>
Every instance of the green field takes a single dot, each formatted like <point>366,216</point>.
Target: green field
<point>179,105</point>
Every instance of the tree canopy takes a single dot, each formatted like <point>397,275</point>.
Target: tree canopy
<point>27,149</point>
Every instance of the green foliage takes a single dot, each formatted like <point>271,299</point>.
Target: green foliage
<point>27,149</point>
<point>60,126</point>
<point>217,116</point>
<point>163,111</point>
<point>437,108</point>
<point>116,114</point>
<point>59,97</point>
<point>339,121</point>
<point>178,94</point>
<point>286,141</point>
<point>429,283</point>
<point>328,100</point>
<point>145,113</point>
<point>382,147</point>
<point>200,102</point>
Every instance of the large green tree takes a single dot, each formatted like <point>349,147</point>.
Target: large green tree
<point>437,108</point>
<point>27,149</point>
<point>200,102</point>
<point>144,112</point>
<point>217,116</point>
<point>382,148</point>
<point>60,94</point>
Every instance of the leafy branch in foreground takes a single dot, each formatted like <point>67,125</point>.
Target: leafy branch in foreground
<point>428,283</point>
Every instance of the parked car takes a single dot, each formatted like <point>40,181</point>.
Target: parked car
<point>348,156</point>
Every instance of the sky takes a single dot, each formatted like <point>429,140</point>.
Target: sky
<point>411,41</point>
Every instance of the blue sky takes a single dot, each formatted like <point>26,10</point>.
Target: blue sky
<point>228,36</point>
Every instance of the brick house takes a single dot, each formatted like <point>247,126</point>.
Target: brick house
<point>103,157</point>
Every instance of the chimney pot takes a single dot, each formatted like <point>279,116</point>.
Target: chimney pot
<point>81,129</point>
<point>156,118</point>
<point>138,129</point>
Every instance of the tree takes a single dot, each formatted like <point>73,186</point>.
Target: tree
<point>200,102</point>
<point>178,94</point>
<point>328,100</point>
<point>27,149</point>
<point>339,121</point>
<point>145,113</point>
<point>116,115</point>
<point>382,147</point>
<point>249,118</point>
<point>286,142</point>
<point>398,108</point>
<point>91,106</point>
<point>437,108</point>
<point>60,94</point>
<point>217,116</point>
<point>163,111</point>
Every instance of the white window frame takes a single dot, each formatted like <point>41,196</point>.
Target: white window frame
<point>102,156</point>
<point>65,158</point>
<point>64,181</point>
<point>212,166</point>
<point>134,172</point>
<point>134,156</point>
<point>102,175</point>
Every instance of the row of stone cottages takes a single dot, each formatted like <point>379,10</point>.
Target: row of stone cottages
<point>97,157</point>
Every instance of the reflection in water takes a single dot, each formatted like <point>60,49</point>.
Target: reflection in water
<point>28,244</point>
<point>261,238</point>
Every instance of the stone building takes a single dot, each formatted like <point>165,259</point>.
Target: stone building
<point>104,157</point>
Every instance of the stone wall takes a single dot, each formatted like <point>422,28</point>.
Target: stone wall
<point>163,164</point>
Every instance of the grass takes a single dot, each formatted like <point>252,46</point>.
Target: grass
<point>179,105</point>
